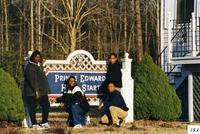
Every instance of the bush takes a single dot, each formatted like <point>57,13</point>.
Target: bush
<point>12,63</point>
<point>11,104</point>
<point>154,97</point>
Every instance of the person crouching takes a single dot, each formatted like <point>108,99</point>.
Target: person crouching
<point>115,109</point>
<point>75,103</point>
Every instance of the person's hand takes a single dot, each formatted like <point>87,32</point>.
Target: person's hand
<point>43,61</point>
<point>37,95</point>
<point>101,106</point>
<point>62,104</point>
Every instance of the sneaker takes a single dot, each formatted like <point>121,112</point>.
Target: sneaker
<point>87,120</point>
<point>45,125</point>
<point>77,126</point>
<point>37,127</point>
<point>120,121</point>
<point>116,125</point>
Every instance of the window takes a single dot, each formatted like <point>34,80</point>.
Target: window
<point>184,10</point>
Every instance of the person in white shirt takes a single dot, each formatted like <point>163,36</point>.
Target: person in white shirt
<point>75,103</point>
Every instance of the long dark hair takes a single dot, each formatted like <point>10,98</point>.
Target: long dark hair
<point>71,77</point>
<point>34,54</point>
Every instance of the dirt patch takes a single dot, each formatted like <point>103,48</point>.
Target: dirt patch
<point>135,128</point>
<point>58,126</point>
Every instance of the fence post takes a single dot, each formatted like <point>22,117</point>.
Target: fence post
<point>190,97</point>
<point>128,87</point>
<point>169,38</point>
<point>193,35</point>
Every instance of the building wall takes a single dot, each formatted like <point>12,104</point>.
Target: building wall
<point>168,8</point>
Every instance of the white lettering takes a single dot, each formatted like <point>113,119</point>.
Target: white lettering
<point>63,87</point>
<point>82,79</point>
<point>103,78</point>
<point>84,88</point>
<point>85,78</point>
<point>56,78</point>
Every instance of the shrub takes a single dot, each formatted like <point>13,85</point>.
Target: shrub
<point>154,97</point>
<point>11,63</point>
<point>11,104</point>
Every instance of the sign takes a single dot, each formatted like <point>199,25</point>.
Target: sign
<point>89,73</point>
<point>89,81</point>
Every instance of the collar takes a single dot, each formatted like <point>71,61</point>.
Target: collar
<point>33,63</point>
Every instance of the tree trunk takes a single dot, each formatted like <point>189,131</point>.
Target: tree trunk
<point>146,27</point>
<point>6,26</point>
<point>2,30</point>
<point>39,26</point>
<point>138,31</point>
<point>52,34</point>
<point>98,41</point>
<point>73,40</point>
<point>158,28</point>
<point>21,33</point>
<point>57,35</point>
<point>125,27</point>
<point>132,31</point>
<point>32,26</point>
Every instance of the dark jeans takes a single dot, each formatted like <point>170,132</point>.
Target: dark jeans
<point>76,116</point>
<point>105,111</point>
<point>44,103</point>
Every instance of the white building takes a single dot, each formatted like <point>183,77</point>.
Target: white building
<point>180,48</point>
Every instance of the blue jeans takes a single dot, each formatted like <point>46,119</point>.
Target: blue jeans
<point>77,115</point>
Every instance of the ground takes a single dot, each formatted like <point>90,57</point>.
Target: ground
<point>58,126</point>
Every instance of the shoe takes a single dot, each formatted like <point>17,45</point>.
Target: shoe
<point>45,125</point>
<point>120,122</point>
<point>100,122</point>
<point>37,127</point>
<point>116,125</point>
<point>87,120</point>
<point>77,126</point>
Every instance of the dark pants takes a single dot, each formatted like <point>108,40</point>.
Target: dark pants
<point>105,111</point>
<point>44,103</point>
<point>76,115</point>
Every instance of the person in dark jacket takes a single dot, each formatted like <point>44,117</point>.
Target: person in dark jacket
<point>75,103</point>
<point>36,90</point>
<point>114,73</point>
<point>116,109</point>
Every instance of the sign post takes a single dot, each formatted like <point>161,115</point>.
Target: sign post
<point>128,87</point>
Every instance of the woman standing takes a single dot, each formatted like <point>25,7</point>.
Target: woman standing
<point>36,90</point>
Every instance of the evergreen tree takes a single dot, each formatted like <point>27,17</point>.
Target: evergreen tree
<point>154,97</point>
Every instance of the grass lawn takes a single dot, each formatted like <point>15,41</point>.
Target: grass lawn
<point>58,126</point>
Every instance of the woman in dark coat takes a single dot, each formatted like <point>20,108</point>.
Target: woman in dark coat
<point>36,90</point>
<point>114,73</point>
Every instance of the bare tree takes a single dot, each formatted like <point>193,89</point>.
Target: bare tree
<point>73,18</point>
<point>6,25</point>
<point>32,25</point>
<point>158,26</point>
<point>138,31</point>
<point>39,42</point>
<point>2,29</point>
